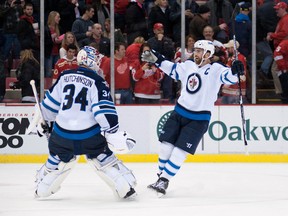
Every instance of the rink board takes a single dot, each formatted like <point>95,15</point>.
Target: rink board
<point>266,130</point>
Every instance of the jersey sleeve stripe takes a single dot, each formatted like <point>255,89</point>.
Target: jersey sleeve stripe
<point>225,79</point>
<point>49,108</point>
<point>106,111</point>
<point>52,99</point>
<point>103,102</point>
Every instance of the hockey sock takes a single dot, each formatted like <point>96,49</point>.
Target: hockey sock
<point>174,163</point>
<point>52,162</point>
<point>164,154</point>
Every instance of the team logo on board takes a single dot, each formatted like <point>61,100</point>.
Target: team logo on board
<point>162,121</point>
<point>193,83</point>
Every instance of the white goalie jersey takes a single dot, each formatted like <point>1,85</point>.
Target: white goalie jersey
<point>80,104</point>
<point>200,86</point>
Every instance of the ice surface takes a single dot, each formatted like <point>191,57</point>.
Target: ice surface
<point>199,189</point>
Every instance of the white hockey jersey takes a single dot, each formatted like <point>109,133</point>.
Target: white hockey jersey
<point>200,86</point>
<point>80,104</point>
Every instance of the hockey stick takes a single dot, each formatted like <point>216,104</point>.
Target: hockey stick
<point>43,123</point>
<point>240,89</point>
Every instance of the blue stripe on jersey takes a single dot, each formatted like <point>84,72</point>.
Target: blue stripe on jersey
<point>172,69</point>
<point>52,99</point>
<point>105,111</point>
<point>104,102</point>
<point>225,78</point>
<point>192,115</point>
<point>49,108</point>
<point>79,135</point>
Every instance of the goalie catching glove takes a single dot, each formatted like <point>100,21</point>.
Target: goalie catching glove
<point>152,57</point>
<point>237,68</point>
<point>120,142</point>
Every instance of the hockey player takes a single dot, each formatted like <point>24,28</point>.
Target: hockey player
<point>85,120</point>
<point>186,125</point>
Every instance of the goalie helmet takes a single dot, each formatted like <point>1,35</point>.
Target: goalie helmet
<point>89,57</point>
<point>206,46</point>
<point>120,142</point>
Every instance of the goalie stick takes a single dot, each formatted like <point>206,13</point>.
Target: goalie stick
<point>43,123</point>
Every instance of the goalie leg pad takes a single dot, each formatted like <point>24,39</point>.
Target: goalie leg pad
<point>118,177</point>
<point>49,181</point>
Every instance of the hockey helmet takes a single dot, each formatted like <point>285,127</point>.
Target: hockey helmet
<point>206,45</point>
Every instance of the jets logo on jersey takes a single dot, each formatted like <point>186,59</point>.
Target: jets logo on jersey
<point>193,83</point>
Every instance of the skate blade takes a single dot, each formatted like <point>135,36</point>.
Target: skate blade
<point>158,193</point>
<point>132,197</point>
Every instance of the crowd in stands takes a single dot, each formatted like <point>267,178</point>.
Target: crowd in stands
<point>142,25</point>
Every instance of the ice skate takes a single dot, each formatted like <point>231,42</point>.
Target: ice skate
<point>160,186</point>
<point>131,194</point>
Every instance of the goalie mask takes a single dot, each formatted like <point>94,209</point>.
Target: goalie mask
<point>120,142</point>
<point>89,57</point>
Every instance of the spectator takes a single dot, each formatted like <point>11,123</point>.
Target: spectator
<point>101,11</point>
<point>189,48</point>
<point>160,13</point>
<point>119,17</point>
<point>69,38</point>
<point>191,8</point>
<point>82,26</point>
<point>243,29</point>
<point>11,12</point>
<point>221,14</point>
<point>281,59</point>
<point>266,20</point>
<point>28,70</point>
<point>53,40</point>
<point>2,71</point>
<point>28,32</point>
<point>220,54</point>
<point>132,51</point>
<point>165,46</point>
<point>69,61</point>
<point>230,93</point>
<point>69,11</point>
<point>135,19</point>
<point>199,21</point>
<point>36,9</point>
<point>280,33</point>
<point>123,85</point>
<point>147,79</point>
<point>118,36</point>
<point>98,38</point>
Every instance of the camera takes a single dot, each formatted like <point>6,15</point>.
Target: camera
<point>17,2</point>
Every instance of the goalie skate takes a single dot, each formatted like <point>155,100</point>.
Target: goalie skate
<point>160,186</point>
<point>131,194</point>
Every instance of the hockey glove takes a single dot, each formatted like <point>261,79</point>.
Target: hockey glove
<point>152,57</point>
<point>237,67</point>
<point>44,129</point>
<point>120,142</point>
